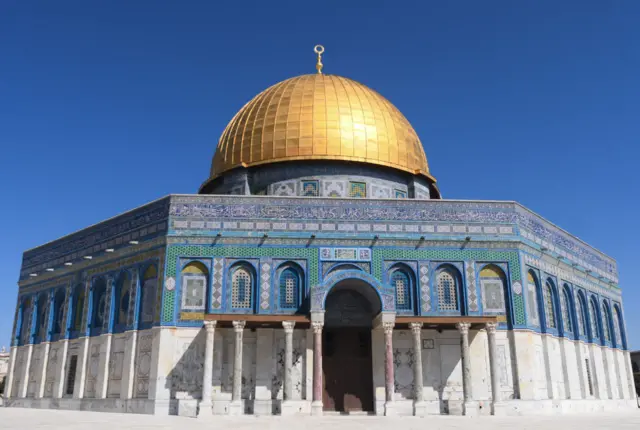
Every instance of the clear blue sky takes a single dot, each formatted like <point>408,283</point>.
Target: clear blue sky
<point>105,106</point>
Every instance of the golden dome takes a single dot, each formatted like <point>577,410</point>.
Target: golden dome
<point>320,117</point>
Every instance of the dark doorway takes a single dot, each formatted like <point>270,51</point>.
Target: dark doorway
<point>346,363</point>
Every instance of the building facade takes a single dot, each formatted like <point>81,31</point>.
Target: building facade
<point>318,270</point>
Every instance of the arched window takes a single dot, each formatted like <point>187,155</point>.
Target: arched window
<point>124,285</point>
<point>25,327</point>
<point>617,326</point>
<point>582,315</point>
<point>42,317</point>
<point>99,303</point>
<point>149,289</point>
<point>58,313</point>
<point>402,285</point>
<point>241,288</point>
<point>78,307</point>
<point>492,284</point>
<point>447,286</point>
<point>605,323</point>
<point>194,286</point>
<point>289,288</point>
<point>532,298</point>
<point>565,305</point>
<point>593,316</point>
<point>549,308</point>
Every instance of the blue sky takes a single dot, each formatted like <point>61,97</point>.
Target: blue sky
<point>105,106</point>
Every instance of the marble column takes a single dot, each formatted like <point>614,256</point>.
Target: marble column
<point>316,404</point>
<point>26,374</point>
<point>389,377</point>
<point>206,407</point>
<point>469,407</point>
<point>493,365</point>
<point>288,359</point>
<point>419,407</point>
<point>43,371</point>
<point>235,407</point>
<point>60,377</point>
<point>287,407</point>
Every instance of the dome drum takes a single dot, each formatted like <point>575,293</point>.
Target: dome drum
<point>315,178</point>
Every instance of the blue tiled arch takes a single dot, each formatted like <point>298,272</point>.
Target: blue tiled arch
<point>320,292</point>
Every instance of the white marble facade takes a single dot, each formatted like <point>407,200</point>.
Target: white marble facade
<point>536,373</point>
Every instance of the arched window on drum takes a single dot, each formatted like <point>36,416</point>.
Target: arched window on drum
<point>149,289</point>
<point>195,276</point>
<point>492,286</point>
<point>448,289</point>
<point>401,282</point>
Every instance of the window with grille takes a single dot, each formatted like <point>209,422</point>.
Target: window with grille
<point>122,300</point>
<point>78,307</point>
<point>590,383</point>
<point>357,189</point>
<point>617,327</point>
<point>99,302</point>
<point>595,333</point>
<point>532,300</point>
<point>447,292</point>
<point>402,285</point>
<point>43,312</point>
<point>148,300</point>
<point>58,312</point>
<point>289,287</point>
<point>605,323</point>
<point>194,288</point>
<point>241,289</point>
<point>548,306</point>
<point>566,316</point>
<point>582,317</point>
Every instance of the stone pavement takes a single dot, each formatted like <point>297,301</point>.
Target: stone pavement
<point>17,418</point>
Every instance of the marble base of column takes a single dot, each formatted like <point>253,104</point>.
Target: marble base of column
<point>236,408</point>
<point>317,408</point>
<point>420,409</point>
<point>471,408</point>
<point>291,407</point>
<point>499,409</point>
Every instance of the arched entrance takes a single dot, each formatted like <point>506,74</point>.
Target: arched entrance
<point>347,369</point>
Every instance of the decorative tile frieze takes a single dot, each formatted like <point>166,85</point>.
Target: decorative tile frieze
<point>472,296</point>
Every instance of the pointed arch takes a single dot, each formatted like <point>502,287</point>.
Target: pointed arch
<point>448,289</point>
<point>194,282</point>
<point>619,324</point>
<point>493,284</point>
<point>606,322</point>
<point>99,304</point>
<point>242,284</point>
<point>581,314</point>
<point>550,305</point>
<point>59,326</point>
<point>594,321</point>
<point>566,305</point>
<point>125,287</point>
<point>532,298</point>
<point>148,291</point>
<point>25,322</point>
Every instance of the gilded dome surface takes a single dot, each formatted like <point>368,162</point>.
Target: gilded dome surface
<point>320,117</point>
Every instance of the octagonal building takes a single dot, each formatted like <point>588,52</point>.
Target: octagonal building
<point>318,270</point>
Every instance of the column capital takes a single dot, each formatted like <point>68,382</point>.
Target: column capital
<point>388,327</point>
<point>317,326</point>
<point>463,327</point>
<point>288,326</point>
<point>238,326</point>
<point>210,326</point>
<point>491,327</point>
<point>416,327</point>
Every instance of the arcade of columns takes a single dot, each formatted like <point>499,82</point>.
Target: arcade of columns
<point>235,407</point>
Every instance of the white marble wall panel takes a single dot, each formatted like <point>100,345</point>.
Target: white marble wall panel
<point>93,367</point>
<point>53,368</point>
<point>35,370</point>
<point>116,365</point>
<point>143,364</point>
